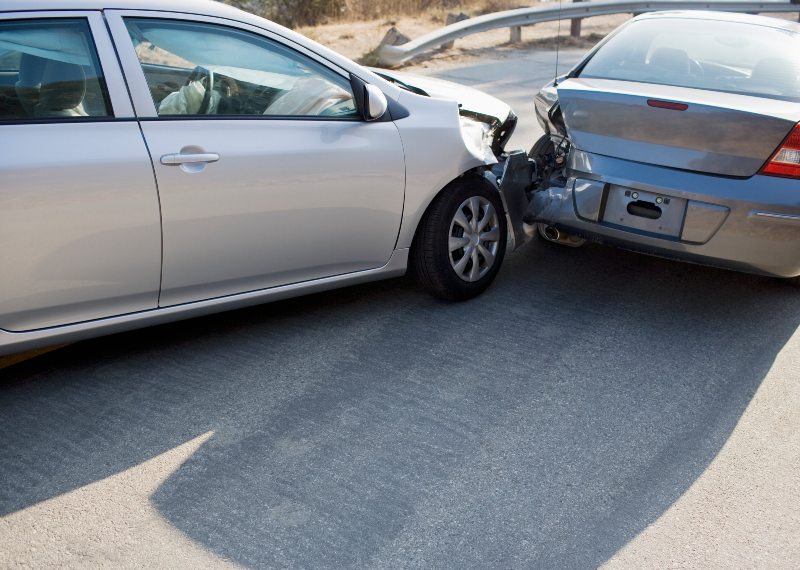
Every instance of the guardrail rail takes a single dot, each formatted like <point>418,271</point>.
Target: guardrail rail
<point>396,54</point>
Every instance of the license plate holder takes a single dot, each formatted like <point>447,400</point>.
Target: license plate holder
<point>648,212</point>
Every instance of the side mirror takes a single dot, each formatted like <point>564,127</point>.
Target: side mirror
<point>370,101</point>
<point>376,103</point>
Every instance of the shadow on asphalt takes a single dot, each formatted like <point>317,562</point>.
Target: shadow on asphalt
<point>544,424</point>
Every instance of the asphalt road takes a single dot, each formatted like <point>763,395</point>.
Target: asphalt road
<point>594,407</point>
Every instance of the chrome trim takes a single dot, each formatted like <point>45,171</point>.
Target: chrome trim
<point>759,216</point>
<point>178,159</point>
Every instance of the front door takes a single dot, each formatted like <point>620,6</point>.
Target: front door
<point>266,173</point>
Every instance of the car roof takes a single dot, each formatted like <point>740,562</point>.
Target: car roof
<point>767,21</point>
<point>203,8</point>
<point>208,7</point>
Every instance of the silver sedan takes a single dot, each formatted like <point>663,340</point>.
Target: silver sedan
<point>159,162</point>
<point>678,136</point>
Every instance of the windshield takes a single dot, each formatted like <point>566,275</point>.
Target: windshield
<point>734,57</point>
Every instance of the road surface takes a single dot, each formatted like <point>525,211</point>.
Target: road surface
<point>594,408</point>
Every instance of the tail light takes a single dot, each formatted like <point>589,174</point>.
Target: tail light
<point>786,160</point>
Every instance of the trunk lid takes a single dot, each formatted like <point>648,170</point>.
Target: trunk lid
<point>679,127</point>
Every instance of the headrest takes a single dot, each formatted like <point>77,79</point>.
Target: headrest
<point>63,87</point>
<point>31,69</point>
<point>671,59</point>
<point>778,73</point>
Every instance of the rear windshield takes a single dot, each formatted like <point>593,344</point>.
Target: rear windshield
<point>706,54</point>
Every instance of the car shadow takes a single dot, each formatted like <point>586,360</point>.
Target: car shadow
<point>544,424</point>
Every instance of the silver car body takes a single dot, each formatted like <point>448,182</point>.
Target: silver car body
<point>100,232</point>
<point>673,170</point>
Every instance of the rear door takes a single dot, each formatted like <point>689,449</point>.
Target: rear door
<point>267,175</point>
<point>79,216</point>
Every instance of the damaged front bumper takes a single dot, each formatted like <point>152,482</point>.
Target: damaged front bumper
<point>513,177</point>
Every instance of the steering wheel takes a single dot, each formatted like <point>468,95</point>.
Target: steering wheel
<point>205,76</point>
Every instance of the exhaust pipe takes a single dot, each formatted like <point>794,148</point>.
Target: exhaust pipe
<point>552,233</point>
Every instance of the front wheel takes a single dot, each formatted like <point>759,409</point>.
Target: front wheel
<point>461,241</point>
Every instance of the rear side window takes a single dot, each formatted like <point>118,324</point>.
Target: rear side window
<point>733,57</point>
<point>49,70</point>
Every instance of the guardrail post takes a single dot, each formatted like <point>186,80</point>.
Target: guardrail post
<point>516,34</point>
<point>452,19</point>
<point>575,25</point>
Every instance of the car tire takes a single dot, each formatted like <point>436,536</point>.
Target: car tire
<point>793,281</point>
<point>461,241</point>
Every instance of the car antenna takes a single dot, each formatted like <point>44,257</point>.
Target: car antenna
<point>558,41</point>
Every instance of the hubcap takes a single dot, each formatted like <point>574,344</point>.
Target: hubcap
<point>474,238</point>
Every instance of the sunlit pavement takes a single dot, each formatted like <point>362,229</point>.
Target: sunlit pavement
<point>595,407</point>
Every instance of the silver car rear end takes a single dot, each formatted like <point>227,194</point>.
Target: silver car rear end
<point>670,126</point>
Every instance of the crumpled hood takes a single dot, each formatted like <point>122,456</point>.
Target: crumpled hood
<point>471,100</point>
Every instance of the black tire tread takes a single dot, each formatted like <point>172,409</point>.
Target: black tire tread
<point>430,269</point>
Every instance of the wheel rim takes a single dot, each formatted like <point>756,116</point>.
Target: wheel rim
<point>474,238</point>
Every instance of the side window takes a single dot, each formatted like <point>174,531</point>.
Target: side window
<point>205,69</point>
<point>49,70</point>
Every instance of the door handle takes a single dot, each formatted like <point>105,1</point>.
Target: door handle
<point>178,159</point>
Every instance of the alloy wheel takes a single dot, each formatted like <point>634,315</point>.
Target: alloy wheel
<point>474,238</point>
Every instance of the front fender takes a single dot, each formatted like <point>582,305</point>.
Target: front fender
<point>435,155</point>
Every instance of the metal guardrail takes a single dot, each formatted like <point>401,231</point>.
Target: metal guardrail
<point>397,54</point>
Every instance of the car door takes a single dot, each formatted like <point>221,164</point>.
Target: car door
<point>266,173</point>
<point>79,217</point>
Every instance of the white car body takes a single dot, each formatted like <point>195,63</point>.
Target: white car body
<point>100,232</point>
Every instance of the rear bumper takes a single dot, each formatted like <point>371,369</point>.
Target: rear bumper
<point>748,224</point>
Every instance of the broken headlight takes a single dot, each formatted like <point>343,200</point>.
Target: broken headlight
<point>477,136</point>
